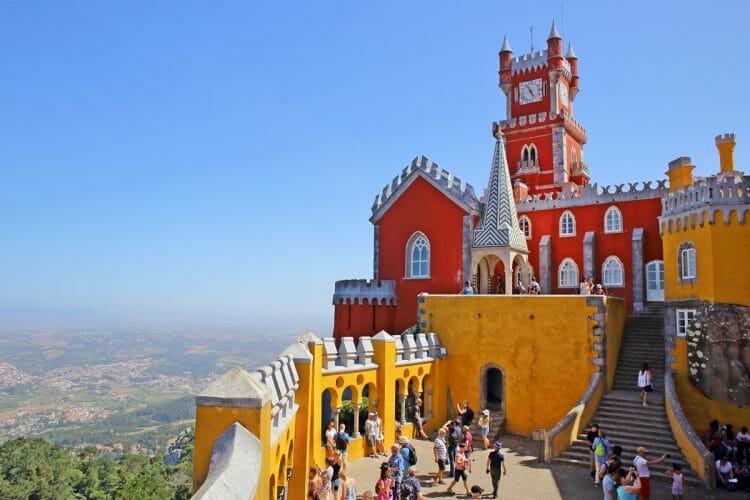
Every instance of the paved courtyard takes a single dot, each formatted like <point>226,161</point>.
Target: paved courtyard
<point>526,479</point>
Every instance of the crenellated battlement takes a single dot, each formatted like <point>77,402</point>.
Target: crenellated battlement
<point>593,194</point>
<point>361,291</point>
<point>351,355</point>
<point>527,63</point>
<point>721,138</point>
<point>439,177</point>
<point>540,118</point>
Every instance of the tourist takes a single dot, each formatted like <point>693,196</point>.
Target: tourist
<point>601,456</point>
<point>461,467</point>
<point>495,465</point>
<point>484,426</point>
<point>644,384</point>
<point>348,487</point>
<point>465,413</point>
<point>324,490</point>
<point>743,445</point>
<point>725,474</point>
<point>591,435</point>
<point>598,290</point>
<point>476,491</point>
<point>330,439</point>
<point>728,443</point>
<point>742,473</point>
<point>342,445</point>
<point>534,288</point>
<point>372,435</point>
<point>333,469</point>
<point>610,481</point>
<point>467,289</point>
<point>455,435</point>
<point>418,420</point>
<point>397,466</point>
<point>678,489</point>
<point>583,287</point>
<point>384,486</point>
<point>441,455</point>
<point>411,489</point>
<point>313,481</point>
<point>379,433</point>
<point>408,452</point>
<point>500,285</point>
<point>467,439</point>
<point>713,438</point>
<point>629,490</point>
<point>641,466</point>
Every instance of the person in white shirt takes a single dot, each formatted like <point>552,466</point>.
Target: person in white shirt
<point>724,473</point>
<point>743,445</point>
<point>641,466</point>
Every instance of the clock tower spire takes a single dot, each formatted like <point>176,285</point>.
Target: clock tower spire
<point>544,142</point>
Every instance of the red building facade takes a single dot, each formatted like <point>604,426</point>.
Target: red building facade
<point>541,216</point>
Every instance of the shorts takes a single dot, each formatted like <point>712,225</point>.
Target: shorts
<point>418,423</point>
<point>441,464</point>
<point>485,431</point>
<point>678,491</point>
<point>459,475</point>
<point>645,487</point>
<point>372,439</point>
<point>344,453</point>
<point>336,484</point>
<point>648,388</point>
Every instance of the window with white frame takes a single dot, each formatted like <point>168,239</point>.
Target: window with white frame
<point>686,262</point>
<point>418,256</point>
<point>567,224</point>
<point>613,272</point>
<point>567,274</point>
<point>525,225</point>
<point>573,156</point>
<point>613,220</point>
<point>684,321</point>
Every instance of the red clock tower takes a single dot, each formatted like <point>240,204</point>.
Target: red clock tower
<point>544,142</point>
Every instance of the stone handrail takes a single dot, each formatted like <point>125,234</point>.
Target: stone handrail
<point>235,466</point>
<point>695,452</point>
<point>561,435</point>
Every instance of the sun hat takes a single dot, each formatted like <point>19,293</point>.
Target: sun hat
<point>403,440</point>
<point>485,412</point>
<point>498,444</point>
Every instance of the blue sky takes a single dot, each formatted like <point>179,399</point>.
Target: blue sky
<point>213,164</point>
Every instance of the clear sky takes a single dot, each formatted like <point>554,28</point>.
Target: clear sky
<point>212,164</point>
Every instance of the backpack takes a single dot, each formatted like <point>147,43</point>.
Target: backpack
<point>452,440</point>
<point>601,449</point>
<point>341,441</point>
<point>468,416</point>
<point>408,492</point>
<point>412,454</point>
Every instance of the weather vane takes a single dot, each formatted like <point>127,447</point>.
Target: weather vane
<point>531,30</point>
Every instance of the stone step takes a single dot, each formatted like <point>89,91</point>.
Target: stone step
<point>620,437</point>
<point>689,477</point>
<point>629,445</point>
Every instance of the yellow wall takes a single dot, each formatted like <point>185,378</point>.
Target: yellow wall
<point>718,249</point>
<point>544,345</point>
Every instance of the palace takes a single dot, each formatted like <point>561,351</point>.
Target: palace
<point>545,365</point>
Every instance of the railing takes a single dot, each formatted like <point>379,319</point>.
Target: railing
<point>579,168</point>
<point>527,166</point>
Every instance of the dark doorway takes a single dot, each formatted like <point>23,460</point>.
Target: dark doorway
<point>494,389</point>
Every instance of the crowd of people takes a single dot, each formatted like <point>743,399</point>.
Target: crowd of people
<point>732,454</point>
<point>586,287</point>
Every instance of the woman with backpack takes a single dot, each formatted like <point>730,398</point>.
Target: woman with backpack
<point>601,454</point>
<point>644,383</point>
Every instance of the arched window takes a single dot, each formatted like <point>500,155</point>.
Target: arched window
<point>567,224</point>
<point>613,272</point>
<point>573,156</point>
<point>567,274</point>
<point>418,256</point>
<point>688,272</point>
<point>525,153</point>
<point>525,225</point>
<point>613,220</point>
<point>532,154</point>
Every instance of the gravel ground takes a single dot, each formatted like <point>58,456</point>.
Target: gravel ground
<point>526,479</point>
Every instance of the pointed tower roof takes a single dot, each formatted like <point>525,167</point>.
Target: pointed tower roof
<point>498,226</point>
<point>506,45</point>
<point>553,32</point>
<point>570,54</point>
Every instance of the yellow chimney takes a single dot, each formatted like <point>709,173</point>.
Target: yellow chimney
<point>680,173</point>
<point>725,143</point>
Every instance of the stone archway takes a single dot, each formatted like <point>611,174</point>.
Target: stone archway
<point>492,388</point>
<point>486,279</point>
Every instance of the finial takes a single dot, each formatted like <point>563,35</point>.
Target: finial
<point>506,45</point>
<point>570,54</point>
<point>553,33</point>
<point>531,30</point>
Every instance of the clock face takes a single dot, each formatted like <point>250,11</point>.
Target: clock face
<point>563,94</point>
<point>530,91</point>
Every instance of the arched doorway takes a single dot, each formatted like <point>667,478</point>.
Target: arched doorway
<point>486,274</point>
<point>492,388</point>
<point>655,281</point>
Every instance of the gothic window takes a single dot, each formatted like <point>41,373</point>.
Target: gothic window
<point>687,271</point>
<point>567,224</point>
<point>532,154</point>
<point>525,225</point>
<point>418,256</point>
<point>567,274</point>
<point>573,156</point>
<point>525,154</point>
<point>613,272</point>
<point>613,220</point>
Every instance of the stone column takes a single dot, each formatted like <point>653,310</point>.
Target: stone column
<point>355,431</point>
<point>637,271</point>
<point>545,261</point>
<point>402,408</point>
<point>589,256</point>
<point>376,252</point>
<point>467,240</point>
<point>336,412</point>
<point>428,403</point>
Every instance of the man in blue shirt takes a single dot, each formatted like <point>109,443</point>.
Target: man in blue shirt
<point>397,466</point>
<point>610,481</point>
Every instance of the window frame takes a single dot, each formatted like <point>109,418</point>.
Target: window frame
<point>613,209</point>
<point>683,317</point>
<point>560,267</point>
<point>573,224</point>
<point>616,259</point>
<point>526,229</point>
<point>410,244</point>
<point>687,263</point>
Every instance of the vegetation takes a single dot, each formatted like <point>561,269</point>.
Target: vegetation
<point>34,468</point>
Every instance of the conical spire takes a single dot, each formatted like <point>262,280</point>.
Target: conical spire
<point>498,226</point>
<point>570,54</point>
<point>506,45</point>
<point>553,33</point>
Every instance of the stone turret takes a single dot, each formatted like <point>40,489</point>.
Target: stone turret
<point>554,49</point>
<point>680,173</point>
<point>572,59</point>
<point>506,66</point>
<point>725,144</point>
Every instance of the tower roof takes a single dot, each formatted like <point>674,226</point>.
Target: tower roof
<point>553,32</point>
<point>570,54</point>
<point>498,226</point>
<point>506,45</point>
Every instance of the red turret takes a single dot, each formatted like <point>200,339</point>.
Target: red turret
<point>570,56</point>
<point>554,49</point>
<point>506,65</point>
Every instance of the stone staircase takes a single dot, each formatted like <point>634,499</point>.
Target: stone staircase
<point>497,427</point>
<point>622,416</point>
